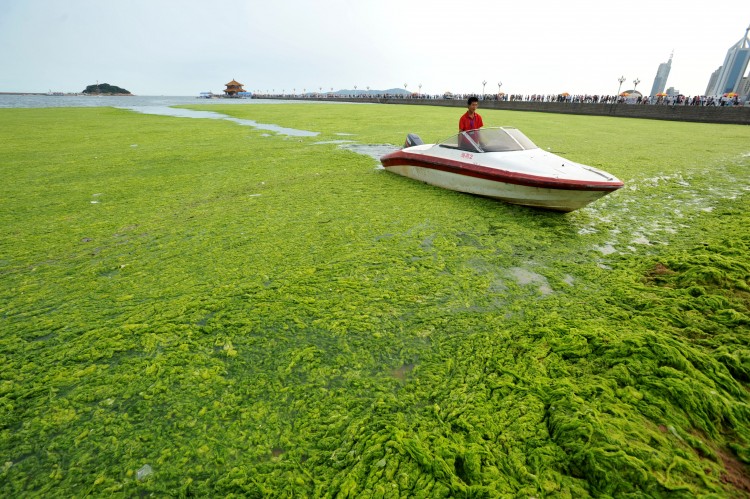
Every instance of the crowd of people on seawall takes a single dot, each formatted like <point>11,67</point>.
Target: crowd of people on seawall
<point>633,98</point>
<point>668,100</point>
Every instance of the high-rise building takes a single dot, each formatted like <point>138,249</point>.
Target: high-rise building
<point>744,90</point>
<point>712,81</point>
<point>731,72</point>
<point>660,82</point>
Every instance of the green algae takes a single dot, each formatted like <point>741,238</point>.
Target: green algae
<point>266,316</point>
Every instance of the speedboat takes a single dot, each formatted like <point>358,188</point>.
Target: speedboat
<point>504,164</point>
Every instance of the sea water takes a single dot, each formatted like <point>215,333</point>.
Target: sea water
<point>41,100</point>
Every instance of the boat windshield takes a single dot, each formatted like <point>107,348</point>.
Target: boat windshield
<point>490,140</point>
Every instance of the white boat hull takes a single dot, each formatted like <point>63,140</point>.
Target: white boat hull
<point>538,197</point>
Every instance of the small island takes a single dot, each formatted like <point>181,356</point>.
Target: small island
<point>105,89</point>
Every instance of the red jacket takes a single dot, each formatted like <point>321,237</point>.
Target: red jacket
<point>466,123</point>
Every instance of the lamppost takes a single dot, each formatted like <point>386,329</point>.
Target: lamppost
<point>621,79</point>
<point>484,82</point>
<point>420,91</point>
<point>635,84</point>
<point>355,90</point>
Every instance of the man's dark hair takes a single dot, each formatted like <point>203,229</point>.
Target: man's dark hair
<point>472,99</point>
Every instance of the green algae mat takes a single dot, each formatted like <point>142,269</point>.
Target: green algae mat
<point>190,307</point>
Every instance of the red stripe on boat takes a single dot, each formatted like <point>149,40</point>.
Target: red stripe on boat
<point>401,158</point>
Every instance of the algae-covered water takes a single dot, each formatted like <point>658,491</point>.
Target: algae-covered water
<point>193,307</point>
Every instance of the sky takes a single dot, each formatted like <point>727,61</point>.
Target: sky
<point>184,47</point>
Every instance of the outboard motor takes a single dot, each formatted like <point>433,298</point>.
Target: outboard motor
<point>412,140</point>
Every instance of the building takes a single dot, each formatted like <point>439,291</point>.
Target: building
<point>712,81</point>
<point>660,82</point>
<point>744,90</point>
<point>731,72</point>
<point>234,88</point>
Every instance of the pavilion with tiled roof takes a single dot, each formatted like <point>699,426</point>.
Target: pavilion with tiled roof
<point>233,88</point>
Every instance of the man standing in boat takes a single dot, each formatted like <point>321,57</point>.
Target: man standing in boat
<point>471,119</point>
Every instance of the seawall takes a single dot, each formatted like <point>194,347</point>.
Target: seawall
<point>735,115</point>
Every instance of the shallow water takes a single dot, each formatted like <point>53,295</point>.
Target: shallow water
<point>332,142</point>
<point>36,101</point>
<point>680,198</point>
<point>375,151</point>
<point>525,277</point>
<point>190,113</point>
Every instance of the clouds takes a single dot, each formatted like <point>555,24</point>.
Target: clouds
<point>184,47</point>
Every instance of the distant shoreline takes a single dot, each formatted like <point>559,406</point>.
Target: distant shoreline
<point>61,94</point>
<point>24,93</point>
